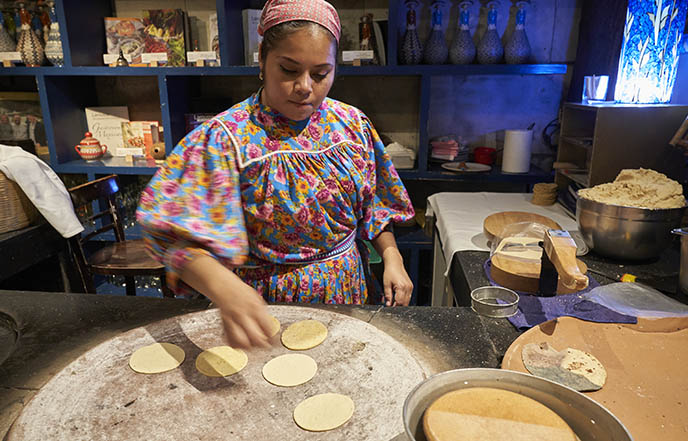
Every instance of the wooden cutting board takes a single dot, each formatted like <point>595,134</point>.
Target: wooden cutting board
<point>494,224</point>
<point>646,362</point>
<point>98,397</point>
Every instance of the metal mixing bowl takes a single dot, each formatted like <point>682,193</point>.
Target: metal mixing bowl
<point>626,233</point>
<point>588,419</point>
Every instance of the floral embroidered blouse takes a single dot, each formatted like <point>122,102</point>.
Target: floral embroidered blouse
<point>268,197</point>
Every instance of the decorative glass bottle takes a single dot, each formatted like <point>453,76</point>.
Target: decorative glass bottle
<point>436,51</point>
<point>462,49</point>
<point>490,50</point>
<point>53,48</point>
<point>410,50</point>
<point>6,42</point>
<point>29,45</point>
<point>517,49</point>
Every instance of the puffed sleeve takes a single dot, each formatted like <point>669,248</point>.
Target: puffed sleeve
<point>193,206</point>
<point>389,201</point>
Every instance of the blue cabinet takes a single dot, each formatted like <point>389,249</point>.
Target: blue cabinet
<point>165,94</point>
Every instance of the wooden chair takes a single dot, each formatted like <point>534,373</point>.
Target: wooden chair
<point>128,258</point>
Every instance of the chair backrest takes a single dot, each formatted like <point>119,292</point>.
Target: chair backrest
<point>104,190</point>
<point>83,197</point>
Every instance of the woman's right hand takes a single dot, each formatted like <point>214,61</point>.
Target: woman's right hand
<point>244,313</point>
<point>245,318</point>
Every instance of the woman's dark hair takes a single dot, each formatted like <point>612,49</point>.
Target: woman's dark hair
<point>276,34</point>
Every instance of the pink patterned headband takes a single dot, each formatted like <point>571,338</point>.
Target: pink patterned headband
<point>318,11</point>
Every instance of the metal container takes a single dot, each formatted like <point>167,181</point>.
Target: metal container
<point>486,301</point>
<point>626,233</point>
<point>683,271</point>
<point>587,418</point>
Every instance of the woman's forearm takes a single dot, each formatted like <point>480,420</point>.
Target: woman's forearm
<point>386,247</point>
<point>209,277</point>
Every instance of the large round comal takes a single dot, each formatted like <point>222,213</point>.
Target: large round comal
<point>626,233</point>
<point>587,418</point>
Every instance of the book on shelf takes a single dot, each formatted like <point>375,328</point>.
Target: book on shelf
<point>163,32</point>
<point>139,137</point>
<point>214,38</point>
<point>105,124</point>
<point>125,33</point>
<point>250,20</point>
<point>193,120</point>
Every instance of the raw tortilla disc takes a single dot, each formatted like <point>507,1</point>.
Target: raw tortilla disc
<point>305,334</point>
<point>571,367</point>
<point>221,361</point>
<point>275,326</point>
<point>489,414</point>
<point>323,412</point>
<point>156,358</point>
<point>290,370</point>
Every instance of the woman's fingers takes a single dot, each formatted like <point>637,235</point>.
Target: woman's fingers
<point>234,334</point>
<point>402,293</point>
<point>389,293</point>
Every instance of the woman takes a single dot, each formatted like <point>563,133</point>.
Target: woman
<point>266,199</point>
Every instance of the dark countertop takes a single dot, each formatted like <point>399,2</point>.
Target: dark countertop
<point>466,272</point>
<point>55,328</point>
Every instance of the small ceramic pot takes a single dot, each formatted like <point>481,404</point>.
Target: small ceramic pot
<point>484,155</point>
<point>90,149</point>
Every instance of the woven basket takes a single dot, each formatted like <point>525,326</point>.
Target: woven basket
<point>16,211</point>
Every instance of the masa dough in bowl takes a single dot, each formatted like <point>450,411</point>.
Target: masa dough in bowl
<point>642,188</point>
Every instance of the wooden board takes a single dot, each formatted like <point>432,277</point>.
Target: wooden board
<point>494,224</point>
<point>98,397</point>
<point>647,385</point>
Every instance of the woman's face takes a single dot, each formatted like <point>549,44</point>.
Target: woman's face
<point>298,73</point>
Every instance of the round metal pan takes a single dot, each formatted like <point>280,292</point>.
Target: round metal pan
<point>587,418</point>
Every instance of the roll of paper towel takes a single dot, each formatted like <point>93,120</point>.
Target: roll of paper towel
<point>517,144</point>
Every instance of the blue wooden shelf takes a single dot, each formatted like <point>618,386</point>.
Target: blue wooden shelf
<point>437,173</point>
<point>417,70</point>
<point>106,166</point>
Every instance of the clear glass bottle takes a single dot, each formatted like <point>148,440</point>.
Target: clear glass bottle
<point>490,50</point>
<point>462,49</point>
<point>410,50</point>
<point>436,50</point>
<point>517,48</point>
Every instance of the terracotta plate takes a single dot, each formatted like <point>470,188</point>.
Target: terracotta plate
<point>647,385</point>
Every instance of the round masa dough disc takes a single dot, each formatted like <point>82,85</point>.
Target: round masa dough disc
<point>221,361</point>
<point>305,334</point>
<point>290,370</point>
<point>156,358</point>
<point>485,413</point>
<point>275,326</point>
<point>323,412</point>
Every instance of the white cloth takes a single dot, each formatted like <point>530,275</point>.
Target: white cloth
<point>459,217</point>
<point>43,188</point>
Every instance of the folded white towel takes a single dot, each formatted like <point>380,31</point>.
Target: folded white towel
<point>43,188</point>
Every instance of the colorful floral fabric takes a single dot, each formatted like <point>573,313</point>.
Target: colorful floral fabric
<point>264,194</point>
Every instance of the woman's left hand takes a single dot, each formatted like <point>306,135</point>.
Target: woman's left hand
<point>397,284</point>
